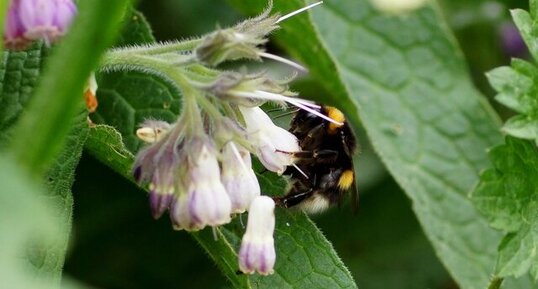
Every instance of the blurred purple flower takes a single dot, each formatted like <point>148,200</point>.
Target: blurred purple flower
<point>511,41</point>
<point>29,20</point>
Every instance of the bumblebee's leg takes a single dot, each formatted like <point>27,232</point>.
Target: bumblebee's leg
<point>293,200</point>
<point>325,156</point>
<point>317,154</point>
<point>313,138</point>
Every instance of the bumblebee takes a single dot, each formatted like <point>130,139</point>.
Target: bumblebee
<point>323,173</point>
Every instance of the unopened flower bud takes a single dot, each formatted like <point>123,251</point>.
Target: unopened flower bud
<point>239,42</point>
<point>152,130</point>
<point>257,253</point>
<point>275,146</point>
<point>238,177</point>
<point>90,93</point>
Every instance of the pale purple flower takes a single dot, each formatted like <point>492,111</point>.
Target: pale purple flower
<point>14,31</point>
<point>257,253</point>
<point>512,42</point>
<point>46,20</point>
<point>238,177</point>
<point>275,146</point>
<point>205,201</point>
<point>159,164</point>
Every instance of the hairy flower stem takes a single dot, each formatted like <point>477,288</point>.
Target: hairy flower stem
<point>160,48</point>
<point>125,60</point>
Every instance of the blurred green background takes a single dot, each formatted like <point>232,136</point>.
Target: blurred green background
<point>116,243</point>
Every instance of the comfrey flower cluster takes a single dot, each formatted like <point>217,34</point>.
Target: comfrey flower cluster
<point>199,167</point>
<point>29,20</point>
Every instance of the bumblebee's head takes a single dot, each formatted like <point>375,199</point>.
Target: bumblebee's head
<point>336,115</point>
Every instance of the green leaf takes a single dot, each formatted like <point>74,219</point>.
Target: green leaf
<point>517,86</point>
<point>522,126</point>
<point>126,99</point>
<point>526,24</point>
<point>59,178</point>
<point>406,79</point>
<point>19,73</point>
<point>26,221</point>
<point>106,144</point>
<point>508,196</point>
<point>136,29</point>
<point>305,257</point>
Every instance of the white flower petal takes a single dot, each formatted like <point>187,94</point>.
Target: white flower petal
<point>274,145</point>
<point>257,252</point>
<point>238,177</point>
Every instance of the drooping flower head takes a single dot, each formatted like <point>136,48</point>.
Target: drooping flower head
<point>200,168</point>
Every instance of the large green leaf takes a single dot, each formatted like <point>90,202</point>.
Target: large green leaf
<point>43,138</point>
<point>305,258</point>
<point>59,179</point>
<point>26,221</point>
<point>508,196</point>
<point>406,79</point>
<point>19,74</point>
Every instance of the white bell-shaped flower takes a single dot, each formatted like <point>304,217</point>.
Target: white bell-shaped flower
<point>275,146</point>
<point>257,253</point>
<point>238,177</point>
<point>205,202</point>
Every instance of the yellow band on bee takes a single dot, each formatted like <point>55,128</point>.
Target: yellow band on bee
<point>335,114</point>
<point>346,180</point>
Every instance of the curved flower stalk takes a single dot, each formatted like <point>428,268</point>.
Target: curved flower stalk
<point>199,168</point>
<point>30,20</point>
